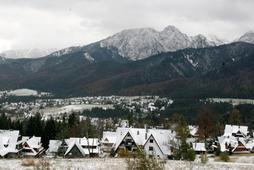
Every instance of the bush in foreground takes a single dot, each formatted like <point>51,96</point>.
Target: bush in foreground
<point>204,158</point>
<point>143,162</point>
<point>224,156</point>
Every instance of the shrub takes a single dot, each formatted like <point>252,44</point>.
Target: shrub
<point>224,156</point>
<point>123,153</point>
<point>28,162</point>
<point>191,155</point>
<point>143,162</point>
<point>204,158</point>
<point>43,164</point>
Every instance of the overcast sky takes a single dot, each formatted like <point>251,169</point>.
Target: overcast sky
<point>62,23</point>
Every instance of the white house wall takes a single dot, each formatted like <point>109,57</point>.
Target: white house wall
<point>156,150</point>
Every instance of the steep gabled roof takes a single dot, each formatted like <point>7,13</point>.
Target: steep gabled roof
<point>230,129</point>
<point>162,138</point>
<point>120,139</point>
<point>34,142</point>
<point>73,144</point>
<point>141,135</point>
<point>109,137</point>
<point>54,146</point>
<point>8,141</point>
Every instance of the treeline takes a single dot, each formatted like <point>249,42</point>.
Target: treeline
<point>51,129</point>
<point>117,112</point>
<point>191,108</point>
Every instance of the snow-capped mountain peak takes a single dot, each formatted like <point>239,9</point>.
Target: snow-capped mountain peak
<point>141,43</point>
<point>216,40</point>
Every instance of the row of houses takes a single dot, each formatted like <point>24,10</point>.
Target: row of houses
<point>124,140</point>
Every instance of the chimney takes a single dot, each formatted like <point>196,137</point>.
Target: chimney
<point>146,131</point>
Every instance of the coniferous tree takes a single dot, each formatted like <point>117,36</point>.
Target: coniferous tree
<point>49,132</point>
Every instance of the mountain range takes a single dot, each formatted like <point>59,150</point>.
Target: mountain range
<point>27,53</point>
<point>141,62</point>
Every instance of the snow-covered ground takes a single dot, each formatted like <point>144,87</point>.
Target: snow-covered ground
<point>231,101</point>
<point>120,164</point>
<point>74,108</point>
<point>57,111</point>
<point>23,92</point>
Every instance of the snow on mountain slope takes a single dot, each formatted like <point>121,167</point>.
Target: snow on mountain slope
<point>141,43</point>
<point>135,43</point>
<point>216,40</point>
<point>247,37</point>
<point>65,51</point>
<point>27,53</point>
<point>172,39</point>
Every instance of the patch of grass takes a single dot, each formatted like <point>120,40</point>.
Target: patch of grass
<point>28,162</point>
<point>224,156</point>
<point>42,164</point>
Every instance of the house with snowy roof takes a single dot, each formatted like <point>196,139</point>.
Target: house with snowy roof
<point>52,150</point>
<point>129,139</point>
<point>9,143</point>
<point>75,150</point>
<point>199,147</point>
<point>31,146</point>
<point>74,147</point>
<point>236,139</point>
<point>155,142</point>
<point>236,131</point>
<point>193,131</point>
<point>107,141</point>
<point>159,143</point>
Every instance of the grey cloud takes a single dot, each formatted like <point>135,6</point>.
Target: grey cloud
<point>61,23</point>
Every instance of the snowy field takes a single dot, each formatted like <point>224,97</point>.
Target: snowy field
<point>231,101</point>
<point>120,164</point>
<point>59,111</point>
<point>23,92</point>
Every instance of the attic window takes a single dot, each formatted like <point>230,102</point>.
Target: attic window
<point>151,140</point>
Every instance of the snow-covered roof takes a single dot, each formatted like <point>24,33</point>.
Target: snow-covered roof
<point>109,137</point>
<point>141,135</point>
<point>74,143</point>
<point>137,134</point>
<point>193,130</point>
<point>230,129</point>
<point>199,147</point>
<point>54,145</point>
<point>250,144</point>
<point>8,141</point>
<point>84,141</point>
<point>232,141</point>
<point>163,139</point>
<point>34,142</point>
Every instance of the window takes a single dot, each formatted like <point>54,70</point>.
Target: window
<point>150,148</point>
<point>137,132</point>
<point>151,140</point>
